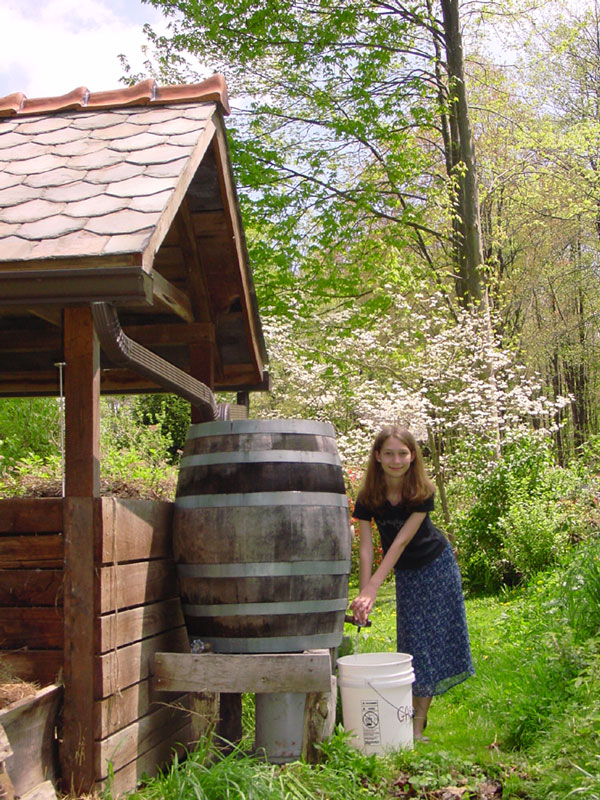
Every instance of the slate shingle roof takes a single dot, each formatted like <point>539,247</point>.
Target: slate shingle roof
<point>92,174</point>
<point>124,197</point>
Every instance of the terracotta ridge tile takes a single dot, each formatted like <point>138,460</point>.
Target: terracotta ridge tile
<point>139,94</point>
<point>212,90</point>
<point>11,104</point>
<point>75,99</point>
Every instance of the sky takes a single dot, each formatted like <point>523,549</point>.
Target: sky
<point>50,47</point>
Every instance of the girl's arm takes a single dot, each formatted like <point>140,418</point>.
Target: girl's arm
<point>363,604</point>
<point>365,552</point>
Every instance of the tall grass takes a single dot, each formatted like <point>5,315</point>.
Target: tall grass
<point>210,774</point>
<point>527,725</point>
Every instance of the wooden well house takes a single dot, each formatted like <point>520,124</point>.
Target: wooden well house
<point>123,269</point>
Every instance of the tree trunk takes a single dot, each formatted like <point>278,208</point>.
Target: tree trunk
<point>434,446</point>
<point>469,278</point>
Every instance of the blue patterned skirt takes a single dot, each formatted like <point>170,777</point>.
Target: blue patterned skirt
<point>432,626</point>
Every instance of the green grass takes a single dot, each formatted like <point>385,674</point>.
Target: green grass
<point>528,723</point>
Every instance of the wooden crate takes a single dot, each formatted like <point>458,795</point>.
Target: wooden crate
<point>136,612</point>
<point>139,613</point>
<point>31,590</point>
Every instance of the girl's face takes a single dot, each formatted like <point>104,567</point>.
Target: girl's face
<point>395,457</point>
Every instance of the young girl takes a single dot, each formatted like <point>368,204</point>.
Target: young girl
<point>430,612</point>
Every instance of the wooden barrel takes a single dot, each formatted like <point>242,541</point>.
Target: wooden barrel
<point>262,536</point>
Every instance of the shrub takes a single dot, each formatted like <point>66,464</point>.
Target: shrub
<point>582,592</point>
<point>28,427</point>
<point>524,513</point>
<point>135,459</point>
<point>172,415</point>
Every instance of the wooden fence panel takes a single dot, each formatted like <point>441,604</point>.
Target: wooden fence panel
<point>31,587</point>
<point>36,666</point>
<point>131,625</point>
<point>35,587</point>
<point>148,763</point>
<point>126,585</point>
<point>40,628</point>
<point>31,515</point>
<point>126,745</point>
<point>119,710</point>
<point>135,729</point>
<point>134,530</point>
<point>138,613</point>
<point>22,552</point>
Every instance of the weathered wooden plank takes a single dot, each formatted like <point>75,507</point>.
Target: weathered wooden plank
<point>78,729</point>
<point>209,223</point>
<point>29,725</point>
<point>125,627</point>
<point>319,720</point>
<point>171,298</point>
<point>43,791</point>
<point>31,551</point>
<point>126,585</point>
<point>5,748</point>
<point>215,672</point>
<point>134,530</point>
<point>31,627</point>
<point>31,587</point>
<point>121,709</point>
<point>36,666</point>
<point>171,333</point>
<point>148,763</point>
<point>120,668</point>
<point>31,515</point>
<point>142,735</point>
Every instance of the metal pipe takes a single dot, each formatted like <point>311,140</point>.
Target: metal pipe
<point>124,352</point>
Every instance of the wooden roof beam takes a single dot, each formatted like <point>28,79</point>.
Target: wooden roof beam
<point>169,297</point>
<point>198,286</point>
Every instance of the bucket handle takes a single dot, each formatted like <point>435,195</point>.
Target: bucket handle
<point>397,709</point>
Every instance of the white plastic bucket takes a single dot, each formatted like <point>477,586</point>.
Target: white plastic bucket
<point>376,691</point>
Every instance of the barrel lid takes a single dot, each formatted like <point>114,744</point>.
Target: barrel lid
<point>304,426</point>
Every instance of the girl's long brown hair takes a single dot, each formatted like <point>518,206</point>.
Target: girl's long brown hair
<point>416,487</point>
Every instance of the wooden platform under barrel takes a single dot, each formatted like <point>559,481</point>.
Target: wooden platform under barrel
<point>262,536</point>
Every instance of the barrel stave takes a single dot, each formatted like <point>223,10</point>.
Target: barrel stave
<point>271,477</point>
<point>271,589</point>
<point>264,626</point>
<point>264,533</point>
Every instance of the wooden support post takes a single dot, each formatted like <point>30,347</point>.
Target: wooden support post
<point>243,399</point>
<point>229,726</point>
<point>308,672</point>
<point>202,367</point>
<point>81,517</point>
<point>82,404</point>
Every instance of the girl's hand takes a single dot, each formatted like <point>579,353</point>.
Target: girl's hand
<point>362,605</point>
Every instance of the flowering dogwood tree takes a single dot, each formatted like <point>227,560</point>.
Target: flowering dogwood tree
<point>415,365</point>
